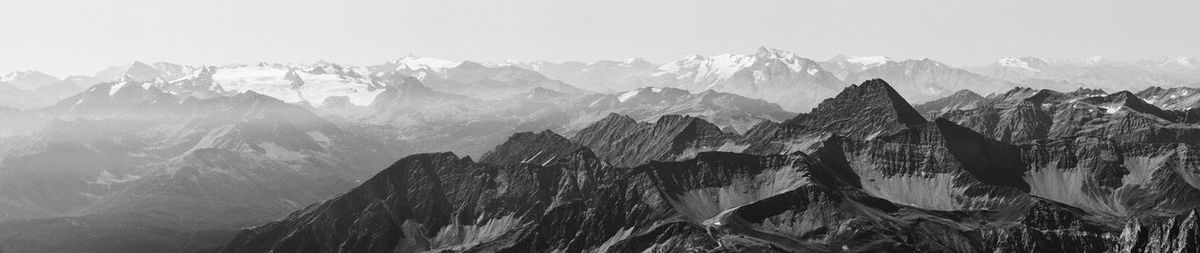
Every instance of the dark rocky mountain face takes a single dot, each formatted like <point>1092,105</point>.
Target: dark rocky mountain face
<point>862,111</point>
<point>1176,98</point>
<point>1070,172</point>
<point>625,142</point>
<point>959,101</point>
<point>1023,115</point>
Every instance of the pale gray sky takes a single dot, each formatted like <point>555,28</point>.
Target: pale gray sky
<point>83,36</point>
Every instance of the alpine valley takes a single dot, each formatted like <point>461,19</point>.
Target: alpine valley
<point>762,152</point>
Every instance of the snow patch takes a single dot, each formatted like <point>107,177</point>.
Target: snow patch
<point>704,203</point>
<point>869,60</point>
<point>108,178</point>
<point>627,95</point>
<point>112,90</point>
<point>273,81</point>
<point>414,63</point>
<point>320,138</point>
<point>457,237</point>
<point>277,152</point>
<point>1016,63</point>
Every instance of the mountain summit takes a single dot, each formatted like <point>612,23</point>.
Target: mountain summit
<point>866,110</point>
<point>778,76</point>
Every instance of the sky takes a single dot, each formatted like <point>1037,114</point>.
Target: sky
<point>84,36</point>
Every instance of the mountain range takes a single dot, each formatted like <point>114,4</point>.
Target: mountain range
<point>911,184</point>
<point>766,152</point>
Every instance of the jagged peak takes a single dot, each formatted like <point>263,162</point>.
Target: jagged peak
<point>1026,93</point>
<point>409,84</point>
<point>1152,90</point>
<point>252,95</point>
<point>540,93</point>
<point>930,61</point>
<point>774,53</point>
<point>1083,91</point>
<point>862,111</point>
<point>615,118</point>
<point>542,148</point>
<point>1113,103</point>
<point>637,61</point>
<point>672,119</point>
<point>126,78</point>
<point>470,65</point>
<point>966,93</point>
<point>1158,89</point>
<point>877,90</point>
<point>11,76</point>
<point>140,64</point>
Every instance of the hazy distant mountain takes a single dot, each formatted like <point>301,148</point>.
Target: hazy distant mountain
<point>1093,72</point>
<point>174,166</point>
<point>1184,68</point>
<point>415,64</point>
<point>473,79</point>
<point>843,65</point>
<point>778,76</point>
<point>440,121</point>
<point>28,80</point>
<point>144,72</point>
<point>602,76</point>
<point>925,80</point>
<point>32,89</point>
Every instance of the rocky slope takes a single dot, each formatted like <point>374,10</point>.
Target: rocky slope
<point>870,109</point>
<point>1176,98</point>
<point>884,180</point>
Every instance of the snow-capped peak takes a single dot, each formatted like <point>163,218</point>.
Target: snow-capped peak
<point>13,76</point>
<point>624,96</point>
<point>125,80</point>
<point>774,53</point>
<point>28,79</point>
<point>1018,63</point>
<point>868,61</point>
<point>1182,61</point>
<point>656,93</point>
<point>415,63</point>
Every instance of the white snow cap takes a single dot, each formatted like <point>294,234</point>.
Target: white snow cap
<point>868,60</point>
<point>424,63</point>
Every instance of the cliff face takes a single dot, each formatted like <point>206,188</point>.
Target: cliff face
<point>625,142</point>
